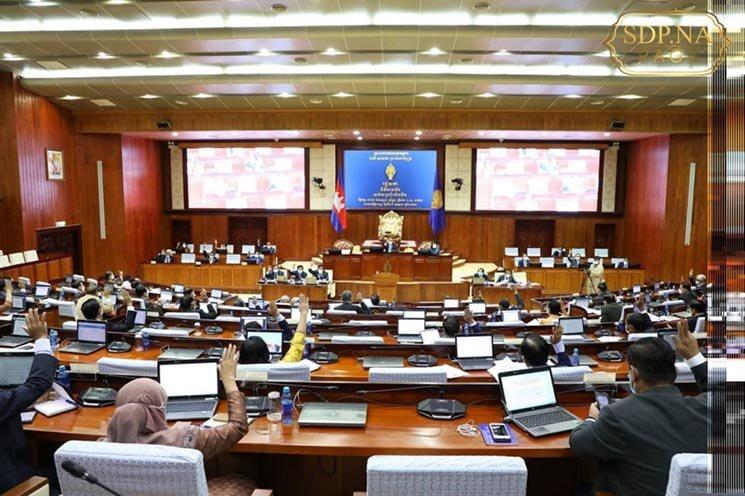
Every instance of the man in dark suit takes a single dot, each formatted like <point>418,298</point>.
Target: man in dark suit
<point>482,274</point>
<point>321,274</point>
<point>535,350</point>
<point>346,303</point>
<point>272,273</point>
<point>698,311</point>
<point>506,278</point>
<point>611,309</point>
<point>635,438</point>
<point>299,273</point>
<point>13,455</point>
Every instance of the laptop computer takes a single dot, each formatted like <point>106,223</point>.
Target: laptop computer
<point>273,340</point>
<point>91,338</point>
<point>138,318</point>
<point>450,303</point>
<point>334,414</point>
<point>166,296</point>
<point>191,386</point>
<point>530,401</point>
<point>511,316</point>
<point>41,291</point>
<point>382,361</point>
<point>478,308</point>
<point>573,326</point>
<point>181,354</point>
<point>474,351</point>
<point>15,367</point>
<point>18,336</point>
<point>414,314</point>
<point>18,302</point>
<point>261,320</point>
<point>410,330</point>
<point>178,289</point>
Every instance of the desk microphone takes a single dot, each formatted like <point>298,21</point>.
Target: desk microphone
<point>79,472</point>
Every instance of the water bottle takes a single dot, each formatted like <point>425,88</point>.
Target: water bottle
<point>574,359</point>
<point>53,339</point>
<point>63,378</point>
<point>274,411</point>
<point>286,407</point>
<point>146,343</point>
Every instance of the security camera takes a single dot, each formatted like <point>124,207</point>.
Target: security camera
<point>318,181</point>
<point>458,183</point>
<point>163,124</point>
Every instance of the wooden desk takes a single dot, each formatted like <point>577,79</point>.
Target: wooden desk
<point>409,266</point>
<point>50,267</point>
<point>568,281</point>
<point>410,291</point>
<point>315,292</point>
<point>235,278</point>
<point>493,294</point>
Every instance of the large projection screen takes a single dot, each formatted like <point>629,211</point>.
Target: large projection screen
<point>255,178</point>
<point>527,179</point>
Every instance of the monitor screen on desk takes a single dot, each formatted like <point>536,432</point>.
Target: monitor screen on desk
<point>511,251</point>
<point>188,378</point>
<point>526,389</point>
<point>601,252</point>
<point>414,314</point>
<point>188,258</point>
<point>248,249</point>
<point>474,346</point>
<point>233,259</point>
<point>19,326</point>
<point>91,331</point>
<point>577,252</point>
<point>410,327</point>
<point>572,325</point>
<point>534,252</point>
<point>451,303</point>
<point>41,291</point>
<point>273,340</point>
<point>477,308</point>
<point>511,315</point>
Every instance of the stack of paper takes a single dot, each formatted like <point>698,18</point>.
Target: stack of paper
<point>61,402</point>
<point>505,365</point>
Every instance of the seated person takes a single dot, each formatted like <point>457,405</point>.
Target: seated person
<point>505,278</point>
<point>299,274</point>
<point>389,246</point>
<point>91,293</point>
<point>375,299</point>
<point>698,311</point>
<point>698,282</point>
<point>182,247</point>
<point>686,292</point>
<point>523,261</point>
<point>635,438</point>
<point>554,312</point>
<point>611,309</point>
<point>255,350</point>
<point>92,310</point>
<point>347,305</point>
<point>210,257</point>
<point>472,327</point>
<point>8,296</point>
<point>622,264</point>
<point>640,303</point>
<point>165,256</point>
<point>188,303</point>
<point>639,322</point>
<point>322,274</point>
<point>255,258</point>
<point>14,458</point>
<point>504,303</point>
<point>482,274</point>
<point>435,248</point>
<point>140,418</point>
<point>451,325</point>
<point>559,252</point>
<point>535,350</point>
<point>272,273</point>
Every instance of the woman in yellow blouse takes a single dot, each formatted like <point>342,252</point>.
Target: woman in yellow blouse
<point>255,350</point>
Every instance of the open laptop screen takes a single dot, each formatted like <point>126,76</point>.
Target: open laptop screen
<point>410,327</point>
<point>510,315</point>
<point>91,332</point>
<point>216,293</point>
<point>256,318</point>
<point>19,326</point>
<point>527,389</point>
<point>41,291</point>
<point>273,340</point>
<point>140,317</point>
<point>14,368</point>
<point>451,303</point>
<point>414,314</point>
<point>572,325</point>
<point>477,308</point>
<point>188,378</point>
<point>475,346</point>
<point>19,302</point>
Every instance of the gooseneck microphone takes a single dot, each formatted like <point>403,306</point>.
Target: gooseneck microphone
<point>78,471</point>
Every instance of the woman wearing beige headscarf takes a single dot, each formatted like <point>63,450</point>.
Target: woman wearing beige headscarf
<point>595,275</point>
<point>140,417</point>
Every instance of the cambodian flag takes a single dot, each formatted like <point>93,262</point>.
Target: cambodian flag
<point>339,208</point>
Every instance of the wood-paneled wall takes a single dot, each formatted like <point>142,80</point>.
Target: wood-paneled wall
<point>143,199</point>
<point>11,227</point>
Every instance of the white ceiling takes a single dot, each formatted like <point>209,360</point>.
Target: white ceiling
<point>550,51</point>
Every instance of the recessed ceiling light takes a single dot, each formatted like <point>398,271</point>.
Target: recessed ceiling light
<point>103,102</point>
<point>88,13</point>
<point>331,51</point>
<point>606,134</point>
<point>356,133</point>
<point>41,3</point>
<point>630,97</point>
<point>486,95</point>
<point>456,101</point>
<point>359,138</point>
<point>416,138</point>
<point>501,52</point>
<point>342,94</point>
<point>174,133</point>
<point>263,52</point>
<point>597,102</point>
<point>573,96</point>
<point>428,94</point>
<point>117,2</point>
<point>203,95</point>
<point>10,56</point>
<point>104,56</point>
<point>482,133</point>
<point>603,53</point>
<point>433,51</point>
<point>300,60</point>
<point>181,102</point>
<point>71,97</point>
<point>285,94</point>
<point>418,132</point>
<point>316,101</point>
<point>165,54</point>
<point>278,8</point>
<point>481,6</point>
<point>148,96</point>
<point>681,102</point>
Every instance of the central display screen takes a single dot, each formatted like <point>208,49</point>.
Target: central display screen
<point>389,179</point>
<point>537,179</point>
<point>246,178</point>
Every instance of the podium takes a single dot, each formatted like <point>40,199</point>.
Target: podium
<point>386,285</point>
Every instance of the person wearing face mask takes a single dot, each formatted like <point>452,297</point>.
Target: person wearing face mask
<point>482,274</point>
<point>635,438</point>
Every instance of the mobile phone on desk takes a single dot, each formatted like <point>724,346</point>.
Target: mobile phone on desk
<point>499,433</point>
<point>28,416</point>
<point>602,400</point>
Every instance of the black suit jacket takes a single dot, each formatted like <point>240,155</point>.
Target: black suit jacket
<point>13,455</point>
<point>361,308</point>
<point>635,438</point>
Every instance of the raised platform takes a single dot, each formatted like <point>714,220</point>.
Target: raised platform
<point>409,266</point>
<point>411,292</point>
<point>569,281</point>
<point>236,278</point>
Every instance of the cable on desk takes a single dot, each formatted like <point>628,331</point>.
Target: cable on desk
<point>468,429</point>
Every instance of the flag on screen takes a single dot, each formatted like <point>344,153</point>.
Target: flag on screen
<point>437,208</point>
<point>339,208</point>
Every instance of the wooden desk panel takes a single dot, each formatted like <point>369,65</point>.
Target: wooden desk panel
<point>411,292</point>
<point>409,266</point>
<point>569,281</point>
<point>314,292</point>
<point>223,276</point>
<point>493,294</point>
<point>47,269</point>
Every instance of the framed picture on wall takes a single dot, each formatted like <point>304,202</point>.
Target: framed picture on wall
<point>55,165</point>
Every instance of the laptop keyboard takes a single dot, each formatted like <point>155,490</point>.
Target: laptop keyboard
<point>189,406</point>
<point>546,418</point>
